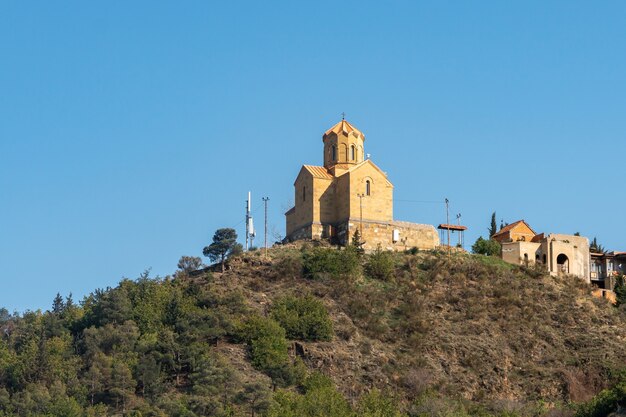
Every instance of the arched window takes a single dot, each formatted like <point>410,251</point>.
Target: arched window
<point>526,259</point>
<point>334,153</point>
<point>368,189</point>
<point>353,152</point>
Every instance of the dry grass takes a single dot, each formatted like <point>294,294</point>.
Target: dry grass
<point>468,327</point>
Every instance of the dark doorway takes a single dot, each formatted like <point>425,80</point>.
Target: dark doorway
<point>562,263</point>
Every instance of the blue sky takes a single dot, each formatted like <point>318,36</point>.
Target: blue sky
<point>130,131</point>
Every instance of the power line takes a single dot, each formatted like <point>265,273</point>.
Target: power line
<point>420,201</point>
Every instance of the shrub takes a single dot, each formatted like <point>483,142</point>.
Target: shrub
<point>268,345</point>
<point>488,247</point>
<point>303,318</point>
<point>321,262</point>
<point>380,265</point>
<point>269,351</point>
<point>319,402</point>
<point>289,265</point>
<point>413,251</point>
<point>316,380</point>
<point>377,404</point>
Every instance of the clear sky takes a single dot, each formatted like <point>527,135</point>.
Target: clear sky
<point>130,131</point>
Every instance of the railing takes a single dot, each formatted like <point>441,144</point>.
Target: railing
<point>597,275</point>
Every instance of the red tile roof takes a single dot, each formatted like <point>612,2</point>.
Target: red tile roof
<point>508,227</point>
<point>451,227</point>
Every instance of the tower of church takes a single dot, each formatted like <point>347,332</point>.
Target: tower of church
<point>343,146</point>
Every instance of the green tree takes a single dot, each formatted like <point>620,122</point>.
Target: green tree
<point>357,242</point>
<point>596,247</point>
<point>256,396</point>
<point>493,228</point>
<point>97,376</point>
<point>620,290</point>
<point>189,263</point>
<point>58,305</point>
<point>303,318</point>
<point>224,244</point>
<point>122,385</point>
<point>149,375</point>
<point>487,247</point>
<point>268,348</point>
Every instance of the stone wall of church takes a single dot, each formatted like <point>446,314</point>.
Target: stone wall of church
<point>310,231</point>
<point>407,235</point>
<point>304,202</point>
<point>379,204</point>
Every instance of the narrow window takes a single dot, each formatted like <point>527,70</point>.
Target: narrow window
<point>334,158</point>
<point>367,187</point>
<point>304,193</point>
<point>352,152</point>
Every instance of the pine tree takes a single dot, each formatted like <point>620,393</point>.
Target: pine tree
<point>357,242</point>
<point>596,247</point>
<point>224,244</point>
<point>57,304</point>
<point>493,229</point>
<point>620,290</point>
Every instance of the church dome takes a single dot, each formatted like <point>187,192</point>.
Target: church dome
<point>343,146</point>
<point>343,127</point>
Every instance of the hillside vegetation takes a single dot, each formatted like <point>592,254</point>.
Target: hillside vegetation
<point>316,331</point>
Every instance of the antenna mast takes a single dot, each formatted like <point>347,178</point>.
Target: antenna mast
<point>249,224</point>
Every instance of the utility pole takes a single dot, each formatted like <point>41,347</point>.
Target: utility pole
<point>448,222</point>
<point>265,200</point>
<point>458,221</point>
<point>361,213</point>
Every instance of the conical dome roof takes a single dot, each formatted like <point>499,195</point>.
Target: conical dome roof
<point>344,127</point>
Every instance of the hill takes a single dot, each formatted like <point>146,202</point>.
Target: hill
<point>318,331</point>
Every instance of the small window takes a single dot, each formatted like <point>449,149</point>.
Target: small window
<point>367,188</point>
<point>304,193</point>
<point>334,153</point>
<point>352,153</point>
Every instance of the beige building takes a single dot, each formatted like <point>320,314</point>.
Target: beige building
<point>347,193</point>
<point>561,254</point>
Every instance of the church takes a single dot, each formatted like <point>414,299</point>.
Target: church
<point>348,193</point>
